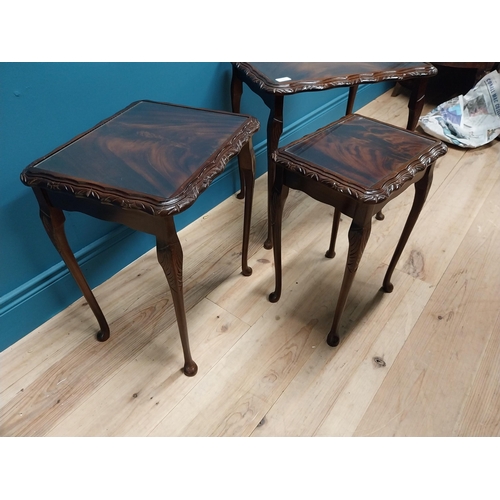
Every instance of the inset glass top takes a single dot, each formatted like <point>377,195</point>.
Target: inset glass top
<point>154,149</point>
<point>361,154</point>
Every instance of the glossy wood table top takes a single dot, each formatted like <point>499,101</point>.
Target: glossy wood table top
<point>153,157</point>
<point>294,77</point>
<point>363,158</point>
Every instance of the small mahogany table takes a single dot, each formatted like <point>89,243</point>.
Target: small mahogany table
<point>356,165</point>
<point>139,168</point>
<point>272,81</point>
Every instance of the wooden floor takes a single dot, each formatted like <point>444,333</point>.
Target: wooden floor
<point>421,361</point>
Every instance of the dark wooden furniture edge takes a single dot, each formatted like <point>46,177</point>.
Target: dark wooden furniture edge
<point>248,72</point>
<point>340,184</point>
<point>180,201</point>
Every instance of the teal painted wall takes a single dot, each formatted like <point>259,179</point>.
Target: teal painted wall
<point>43,105</point>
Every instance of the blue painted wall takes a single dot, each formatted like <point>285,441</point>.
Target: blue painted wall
<point>43,105</point>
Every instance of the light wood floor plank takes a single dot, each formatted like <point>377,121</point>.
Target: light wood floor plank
<point>442,225</point>
<point>148,387</point>
<point>480,417</point>
<point>432,377</point>
<point>308,399</point>
<point>350,406</point>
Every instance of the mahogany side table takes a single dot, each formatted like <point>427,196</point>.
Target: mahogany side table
<point>140,167</point>
<point>357,165</point>
<point>272,81</point>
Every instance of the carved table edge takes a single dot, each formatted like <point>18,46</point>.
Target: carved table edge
<point>338,183</point>
<point>293,87</point>
<point>150,204</point>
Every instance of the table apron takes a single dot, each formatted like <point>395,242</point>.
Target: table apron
<point>135,219</point>
<point>344,202</point>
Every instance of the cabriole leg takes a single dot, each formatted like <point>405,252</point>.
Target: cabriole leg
<point>274,129</point>
<point>53,221</point>
<point>358,237</point>
<point>247,162</point>
<point>236,92</point>
<point>279,195</point>
<point>421,191</point>
<point>170,256</point>
<point>330,253</point>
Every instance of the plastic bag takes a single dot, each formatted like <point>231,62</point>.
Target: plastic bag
<point>469,120</point>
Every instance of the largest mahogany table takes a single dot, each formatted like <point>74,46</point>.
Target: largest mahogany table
<point>272,81</point>
<point>141,167</point>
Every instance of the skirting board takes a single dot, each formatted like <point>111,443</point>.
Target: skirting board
<point>36,301</point>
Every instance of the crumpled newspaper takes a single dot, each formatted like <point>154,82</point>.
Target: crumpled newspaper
<point>469,120</point>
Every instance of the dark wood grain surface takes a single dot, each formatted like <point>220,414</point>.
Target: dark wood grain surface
<point>360,156</point>
<point>308,76</point>
<point>151,156</point>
